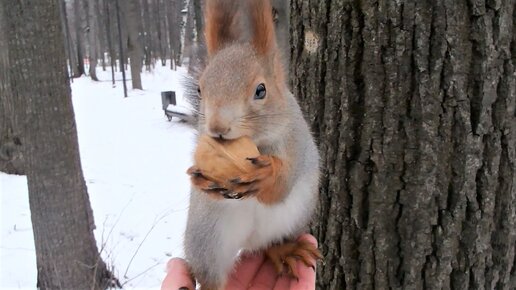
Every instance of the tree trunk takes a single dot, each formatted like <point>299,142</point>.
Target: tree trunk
<point>189,32</point>
<point>121,46</point>
<point>413,104</point>
<point>11,157</point>
<point>68,40</point>
<point>198,51</point>
<point>79,38</point>
<point>174,23</point>
<point>112,55</point>
<point>62,219</point>
<point>158,20</point>
<point>91,32</point>
<point>133,21</point>
<point>102,47</point>
<point>147,31</point>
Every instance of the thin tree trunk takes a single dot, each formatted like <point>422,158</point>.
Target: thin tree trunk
<point>101,48</point>
<point>112,57</point>
<point>121,46</point>
<point>189,32</point>
<point>79,36</point>
<point>72,37</point>
<point>147,30</point>
<point>66,29</point>
<point>91,32</point>
<point>62,219</point>
<point>133,21</point>
<point>198,52</point>
<point>413,106</point>
<point>158,20</point>
<point>174,18</point>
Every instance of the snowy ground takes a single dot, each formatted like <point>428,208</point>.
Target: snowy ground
<point>134,163</point>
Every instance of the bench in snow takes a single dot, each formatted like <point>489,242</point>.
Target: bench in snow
<point>169,105</point>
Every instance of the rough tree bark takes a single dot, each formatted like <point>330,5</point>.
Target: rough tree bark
<point>133,20</point>
<point>11,157</point>
<point>413,104</point>
<point>62,219</point>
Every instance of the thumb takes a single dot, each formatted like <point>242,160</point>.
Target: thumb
<point>178,276</point>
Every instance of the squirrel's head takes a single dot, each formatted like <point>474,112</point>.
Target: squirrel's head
<point>242,90</point>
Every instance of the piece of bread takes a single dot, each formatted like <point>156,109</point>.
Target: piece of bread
<point>223,160</point>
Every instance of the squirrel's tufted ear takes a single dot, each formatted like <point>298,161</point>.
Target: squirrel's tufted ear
<point>221,25</point>
<point>263,38</point>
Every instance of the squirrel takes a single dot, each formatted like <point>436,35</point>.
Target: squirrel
<point>243,92</point>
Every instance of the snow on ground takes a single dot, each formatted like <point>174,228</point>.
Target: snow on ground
<point>134,164</point>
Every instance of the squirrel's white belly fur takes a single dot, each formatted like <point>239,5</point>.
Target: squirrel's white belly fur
<point>251,226</point>
<point>258,225</point>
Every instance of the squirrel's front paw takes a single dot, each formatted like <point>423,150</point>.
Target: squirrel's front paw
<point>284,256</point>
<point>265,181</point>
<point>205,183</point>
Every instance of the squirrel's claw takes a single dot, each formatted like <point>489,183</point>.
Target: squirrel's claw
<point>262,181</point>
<point>202,182</point>
<point>261,161</point>
<point>284,257</point>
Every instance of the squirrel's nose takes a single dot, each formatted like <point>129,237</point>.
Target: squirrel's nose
<point>217,130</point>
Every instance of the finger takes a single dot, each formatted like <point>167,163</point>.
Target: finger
<point>306,274</point>
<point>245,271</point>
<point>178,276</point>
<point>266,277</point>
<point>283,283</point>
<point>306,278</point>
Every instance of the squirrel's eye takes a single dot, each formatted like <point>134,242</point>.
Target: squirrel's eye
<point>260,92</point>
<point>198,90</point>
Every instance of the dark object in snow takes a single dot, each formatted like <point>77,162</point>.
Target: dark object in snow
<point>168,98</point>
<point>168,102</point>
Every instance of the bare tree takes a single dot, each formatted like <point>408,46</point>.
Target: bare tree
<point>134,44</point>
<point>101,36</point>
<point>158,20</point>
<point>62,219</point>
<point>147,34</point>
<point>121,45</point>
<point>66,29</point>
<point>413,106</point>
<point>79,38</point>
<point>174,18</point>
<point>92,36</point>
<point>109,38</point>
<point>189,34</point>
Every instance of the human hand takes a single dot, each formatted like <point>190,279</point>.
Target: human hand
<point>253,272</point>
